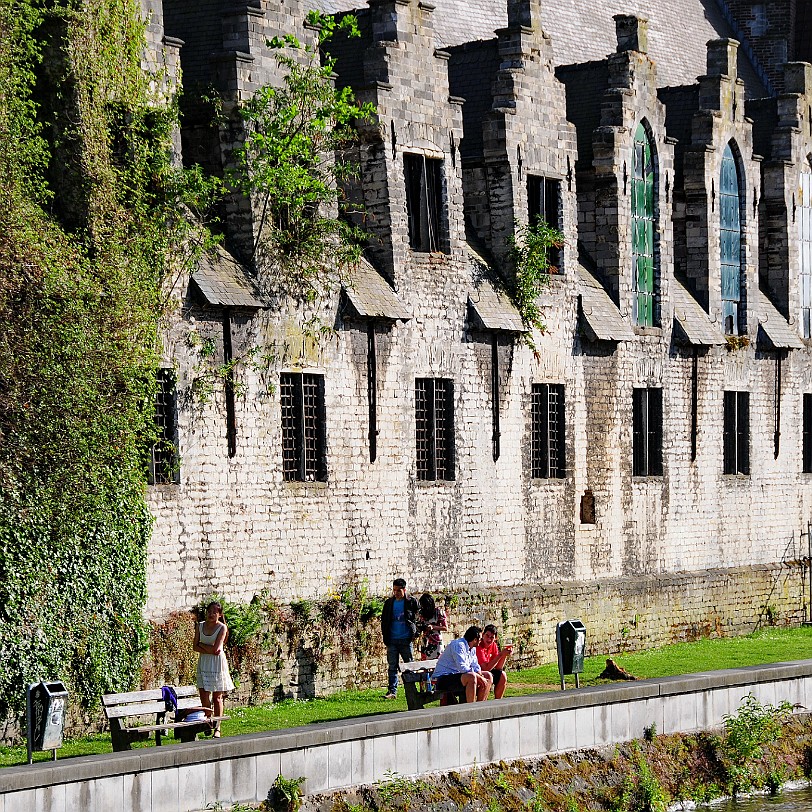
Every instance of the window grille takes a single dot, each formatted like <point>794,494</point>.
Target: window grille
<point>434,428</point>
<point>424,195</point>
<point>736,433</point>
<point>805,246</point>
<point>304,433</point>
<point>730,239</point>
<point>547,436</point>
<point>807,435</point>
<point>643,229</point>
<point>164,468</point>
<point>647,432</point>
<point>544,203</point>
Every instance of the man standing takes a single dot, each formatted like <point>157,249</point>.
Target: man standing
<point>457,668</point>
<point>398,630</point>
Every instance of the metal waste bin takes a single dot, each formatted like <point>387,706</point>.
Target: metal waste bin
<point>45,706</point>
<point>570,642</point>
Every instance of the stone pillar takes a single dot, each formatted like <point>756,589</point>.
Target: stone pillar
<point>632,33</point>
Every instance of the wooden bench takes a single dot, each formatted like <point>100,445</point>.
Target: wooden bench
<point>139,704</point>
<point>415,685</point>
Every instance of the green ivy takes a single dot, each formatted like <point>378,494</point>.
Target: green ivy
<point>94,222</point>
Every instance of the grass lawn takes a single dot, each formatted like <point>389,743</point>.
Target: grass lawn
<point>765,646</point>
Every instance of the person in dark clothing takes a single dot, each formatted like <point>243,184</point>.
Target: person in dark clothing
<point>398,629</point>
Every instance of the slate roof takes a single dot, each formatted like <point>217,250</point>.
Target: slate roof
<point>692,324</point>
<point>774,331</point>
<point>584,31</point>
<point>223,282</point>
<point>600,318</point>
<point>368,295</point>
<point>489,307</point>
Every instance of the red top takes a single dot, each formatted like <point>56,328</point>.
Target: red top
<point>485,654</point>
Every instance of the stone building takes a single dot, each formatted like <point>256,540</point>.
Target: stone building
<point>648,467</point>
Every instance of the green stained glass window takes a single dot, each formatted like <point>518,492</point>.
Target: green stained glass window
<point>730,240</point>
<point>643,229</point>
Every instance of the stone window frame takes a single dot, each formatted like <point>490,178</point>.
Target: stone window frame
<point>539,186</point>
<point>303,427</point>
<point>435,453</point>
<point>647,431</point>
<point>736,433</point>
<point>644,218</point>
<point>732,246</point>
<point>426,206</point>
<point>164,462</point>
<point>548,438</point>
<point>806,433</point>
<point>805,249</point>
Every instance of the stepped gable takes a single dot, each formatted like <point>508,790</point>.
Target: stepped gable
<point>678,31</point>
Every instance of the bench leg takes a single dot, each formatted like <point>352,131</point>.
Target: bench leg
<point>119,736</point>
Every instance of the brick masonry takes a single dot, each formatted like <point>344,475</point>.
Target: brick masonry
<point>667,557</point>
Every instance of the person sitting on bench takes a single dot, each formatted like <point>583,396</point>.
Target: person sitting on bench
<point>457,668</point>
<point>492,658</point>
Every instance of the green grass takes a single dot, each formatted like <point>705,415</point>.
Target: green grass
<point>766,646</point>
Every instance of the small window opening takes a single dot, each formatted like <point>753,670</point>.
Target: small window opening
<point>164,465</point>
<point>304,428</point>
<point>424,196</point>
<point>736,433</point>
<point>544,203</point>
<point>434,428</point>
<point>547,435</point>
<point>647,432</point>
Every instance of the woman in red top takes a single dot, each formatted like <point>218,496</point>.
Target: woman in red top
<point>492,658</point>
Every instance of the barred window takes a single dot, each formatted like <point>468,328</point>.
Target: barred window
<point>547,460</point>
<point>807,434</point>
<point>434,419</point>
<point>544,204</point>
<point>164,468</point>
<point>304,428</point>
<point>424,200</point>
<point>647,432</point>
<point>737,433</point>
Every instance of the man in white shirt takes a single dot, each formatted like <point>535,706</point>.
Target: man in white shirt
<point>457,668</point>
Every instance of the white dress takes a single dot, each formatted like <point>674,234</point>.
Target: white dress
<point>212,669</point>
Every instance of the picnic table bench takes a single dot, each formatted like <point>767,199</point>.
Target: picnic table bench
<point>415,676</point>
<point>119,708</point>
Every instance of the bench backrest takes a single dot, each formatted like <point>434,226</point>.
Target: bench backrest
<point>418,665</point>
<point>138,703</point>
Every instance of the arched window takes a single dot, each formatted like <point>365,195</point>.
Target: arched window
<point>730,235</point>
<point>643,229</point>
<point>805,246</point>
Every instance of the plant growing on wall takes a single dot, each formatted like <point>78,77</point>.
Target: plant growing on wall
<point>91,209</point>
<point>530,249</point>
<point>293,164</point>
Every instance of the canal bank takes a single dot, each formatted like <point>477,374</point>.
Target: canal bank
<point>342,755</point>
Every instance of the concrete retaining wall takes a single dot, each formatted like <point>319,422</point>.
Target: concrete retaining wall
<point>185,778</point>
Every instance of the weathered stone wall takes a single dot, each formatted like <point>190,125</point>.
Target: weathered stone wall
<point>690,550</point>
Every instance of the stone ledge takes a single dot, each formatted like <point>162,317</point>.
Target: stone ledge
<point>87,768</point>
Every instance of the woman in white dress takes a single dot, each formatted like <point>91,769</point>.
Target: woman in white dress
<point>213,677</point>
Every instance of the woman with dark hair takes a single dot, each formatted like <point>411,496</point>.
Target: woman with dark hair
<point>213,677</point>
<point>432,622</point>
<point>492,658</point>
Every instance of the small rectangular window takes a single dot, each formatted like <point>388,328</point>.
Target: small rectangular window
<point>547,437</point>
<point>164,468</point>
<point>304,428</point>
<point>544,203</point>
<point>807,434</point>
<point>736,433</point>
<point>647,432</point>
<point>434,428</point>
<point>424,201</point>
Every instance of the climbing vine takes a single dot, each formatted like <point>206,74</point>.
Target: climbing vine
<point>94,219</point>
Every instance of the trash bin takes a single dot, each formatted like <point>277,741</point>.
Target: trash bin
<point>570,642</point>
<point>46,704</point>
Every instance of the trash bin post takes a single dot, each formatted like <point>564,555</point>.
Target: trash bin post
<point>570,643</point>
<point>45,707</point>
